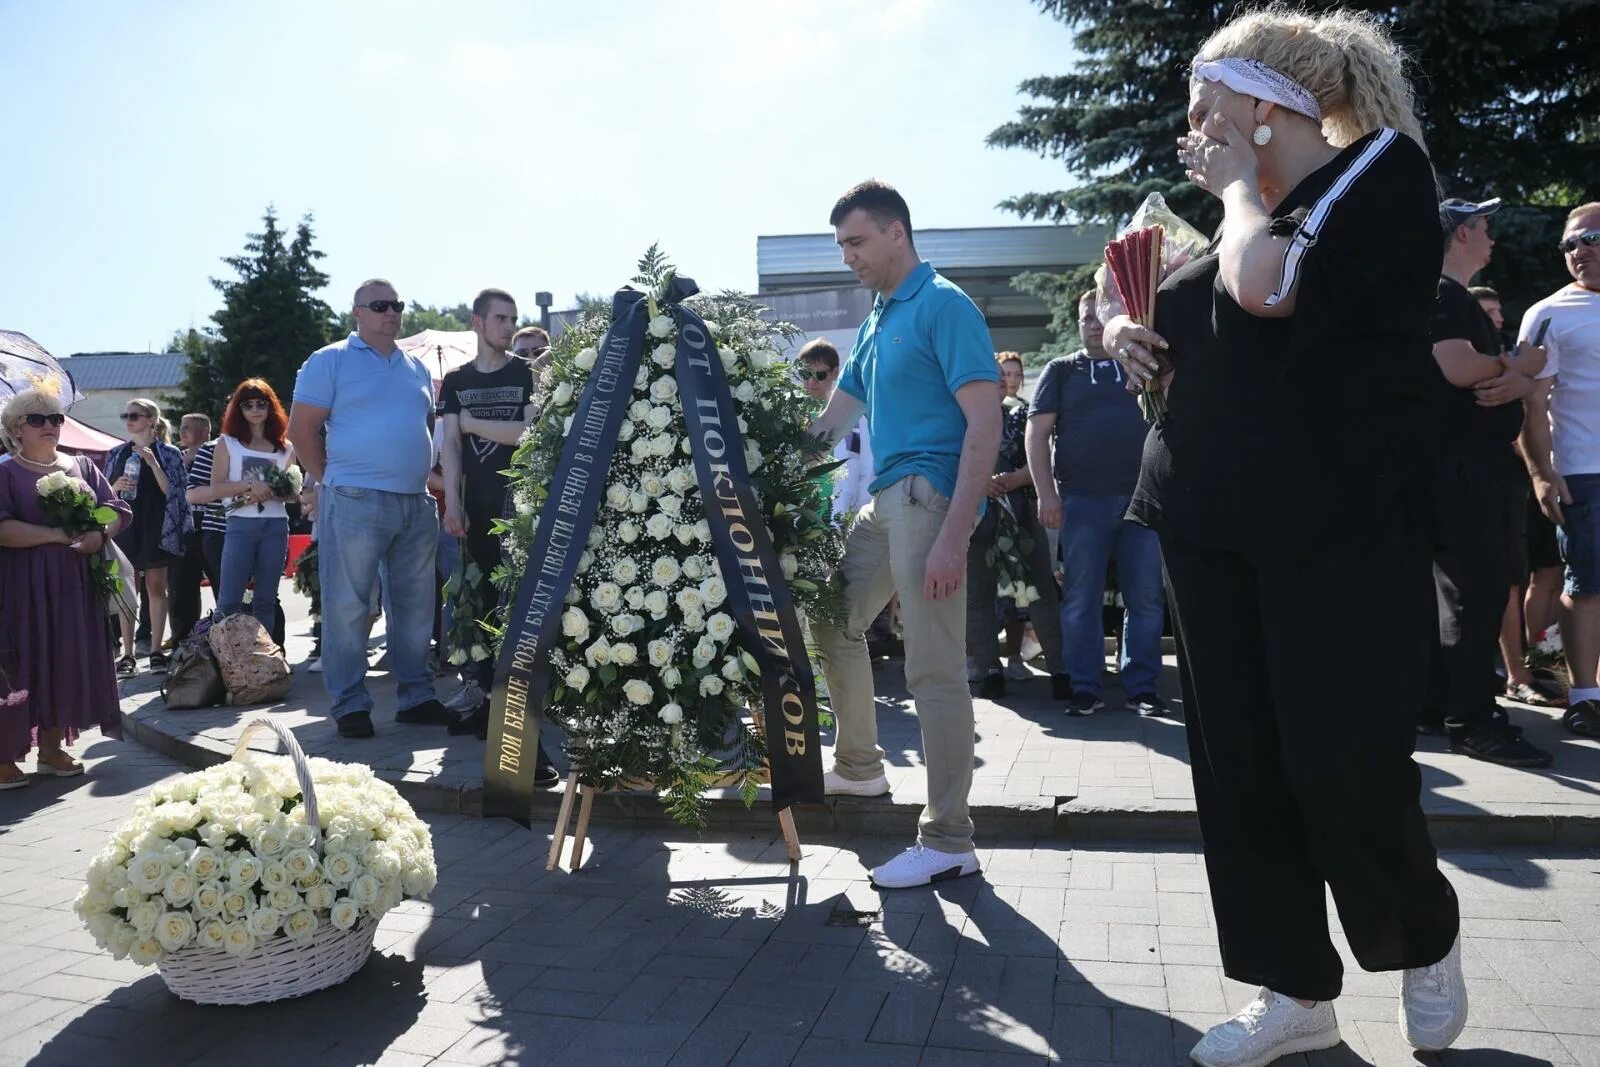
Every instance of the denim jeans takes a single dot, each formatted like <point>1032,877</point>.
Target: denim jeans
<point>1094,531</point>
<point>255,550</point>
<point>357,530</point>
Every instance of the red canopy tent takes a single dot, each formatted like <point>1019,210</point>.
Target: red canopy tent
<point>85,439</point>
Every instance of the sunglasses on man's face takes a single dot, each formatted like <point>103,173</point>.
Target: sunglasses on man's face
<point>531,353</point>
<point>38,421</point>
<point>380,306</point>
<point>130,416</point>
<point>253,405</point>
<point>1570,245</point>
<point>807,375</point>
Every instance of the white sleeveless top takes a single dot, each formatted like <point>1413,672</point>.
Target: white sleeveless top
<point>245,464</point>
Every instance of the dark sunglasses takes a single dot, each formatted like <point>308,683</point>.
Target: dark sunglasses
<point>380,306</point>
<point>812,375</point>
<point>1591,239</point>
<point>254,405</point>
<point>530,353</point>
<point>38,421</point>
<point>129,416</point>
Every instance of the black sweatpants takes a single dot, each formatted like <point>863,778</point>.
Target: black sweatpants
<point>183,585</point>
<point>1479,515</point>
<point>1302,765</point>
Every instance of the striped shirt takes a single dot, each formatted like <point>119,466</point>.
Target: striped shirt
<point>208,518</point>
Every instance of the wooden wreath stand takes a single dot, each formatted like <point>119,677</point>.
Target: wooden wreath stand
<point>558,840</point>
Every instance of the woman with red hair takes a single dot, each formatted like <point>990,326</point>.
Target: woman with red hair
<point>253,440</point>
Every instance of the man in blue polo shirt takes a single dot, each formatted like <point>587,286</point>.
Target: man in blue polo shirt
<point>373,506</point>
<point>923,372</point>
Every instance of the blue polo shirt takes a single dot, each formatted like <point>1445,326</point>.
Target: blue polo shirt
<point>377,415</point>
<point>911,355</point>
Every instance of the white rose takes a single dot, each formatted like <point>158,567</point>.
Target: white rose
<point>704,652</point>
<point>300,862</point>
<point>671,714</point>
<point>663,444</point>
<point>585,360</point>
<point>341,868</point>
<point>598,654</point>
<point>684,533</point>
<point>690,599</point>
<point>237,940</point>
<point>275,875</point>
<point>585,561</point>
<point>659,418</point>
<point>606,596</point>
<point>204,864</point>
<point>212,934</point>
<point>680,478</point>
<point>628,532</point>
<point>638,410</point>
<point>789,565</point>
<point>617,495</point>
<point>320,898</point>
<point>147,872</point>
<point>284,900</point>
<point>694,568</point>
<point>641,378</point>
<point>660,326</point>
<point>561,396</point>
<point>364,890</point>
<point>671,678</point>
<point>729,358</point>
<point>663,389</point>
<point>719,627</point>
<point>752,454</point>
<point>702,532</point>
<point>731,669</point>
<point>652,485</point>
<point>144,951</point>
<point>659,526</point>
<point>624,654</point>
<point>634,598</point>
<point>660,653</point>
<point>175,930</point>
<point>624,624</point>
<point>656,604</point>
<point>761,357</point>
<point>143,917</point>
<point>663,355</point>
<point>243,872</point>
<point>180,888</point>
<point>664,571</point>
<point>625,432</point>
<point>670,505</point>
<point>710,685</point>
<point>714,590</point>
<point>578,676</point>
<point>215,835</point>
<point>344,913</point>
<point>264,922</point>
<point>637,691</point>
<point>575,624</point>
<point>300,924</point>
<point>744,392</point>
<point>53,482</point>
<point>208,898</point>
<point>235,903</point>
<point>694,621</point>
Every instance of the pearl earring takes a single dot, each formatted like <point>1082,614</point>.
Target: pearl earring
<point>1262,134</point>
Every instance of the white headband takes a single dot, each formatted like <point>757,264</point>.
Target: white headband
<point>1256,79</point>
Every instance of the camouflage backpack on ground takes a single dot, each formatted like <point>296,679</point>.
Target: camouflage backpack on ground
<point>253,668</point>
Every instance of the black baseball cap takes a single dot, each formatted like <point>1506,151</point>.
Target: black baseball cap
<point>1455,211</point>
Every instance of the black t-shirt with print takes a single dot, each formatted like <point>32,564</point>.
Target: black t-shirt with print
<point>1294,432</point>
<point>1471,431</point>
<point>501,396</point>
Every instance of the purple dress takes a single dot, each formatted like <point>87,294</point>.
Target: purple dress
<point>55,635</point>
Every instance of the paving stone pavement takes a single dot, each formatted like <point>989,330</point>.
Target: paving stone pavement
<point>673,949</point>
<point>1038,772</point>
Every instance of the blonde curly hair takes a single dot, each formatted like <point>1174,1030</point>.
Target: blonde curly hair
<point>36,401</point>
<point>1345,59</point>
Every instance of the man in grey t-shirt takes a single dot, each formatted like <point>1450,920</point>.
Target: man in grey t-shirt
<point>1085,482</point>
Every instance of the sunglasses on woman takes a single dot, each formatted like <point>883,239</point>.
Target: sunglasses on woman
<point>38,421</point>
<point>129,416</point>
<point>1570,245</point>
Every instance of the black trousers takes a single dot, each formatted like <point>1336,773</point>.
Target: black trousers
<point>484,548</point>
<point>1479,515</point>
<point>212,542</point>
<point>183,585</point>
<point>1302,766</point>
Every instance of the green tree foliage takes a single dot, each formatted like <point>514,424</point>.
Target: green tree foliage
<point>271,319</point>
<point>1508,94</point>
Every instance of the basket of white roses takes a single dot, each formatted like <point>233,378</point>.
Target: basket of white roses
<point>258,879</point>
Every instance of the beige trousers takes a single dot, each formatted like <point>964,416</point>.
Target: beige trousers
<point>885,553</point>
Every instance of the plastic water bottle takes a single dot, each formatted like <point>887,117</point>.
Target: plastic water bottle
<point>131,470</point>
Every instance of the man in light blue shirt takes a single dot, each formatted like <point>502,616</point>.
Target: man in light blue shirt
<point>373,508</point>
<point>923,372</point>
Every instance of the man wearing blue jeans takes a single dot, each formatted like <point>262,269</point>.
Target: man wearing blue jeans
<point>373,506</point>
<point>1085,483</point>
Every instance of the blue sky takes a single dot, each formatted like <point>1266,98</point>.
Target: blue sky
<point>527,145</point>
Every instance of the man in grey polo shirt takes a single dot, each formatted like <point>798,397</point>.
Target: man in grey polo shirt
<point>373,506</point>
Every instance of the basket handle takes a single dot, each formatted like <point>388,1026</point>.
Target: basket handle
<point>302,769</point>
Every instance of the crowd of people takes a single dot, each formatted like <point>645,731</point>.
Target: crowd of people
<point>1463,506</point>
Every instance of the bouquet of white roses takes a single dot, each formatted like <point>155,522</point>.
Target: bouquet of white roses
<point>69,503</point>
<point>647,679</point>
<point>464,590</point>
<point>223,859</point>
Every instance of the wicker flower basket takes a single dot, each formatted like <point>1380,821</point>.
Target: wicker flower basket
<point>283,967</point>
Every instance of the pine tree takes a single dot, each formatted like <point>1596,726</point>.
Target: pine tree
<point>1508,95</point>
<point>271,318</point>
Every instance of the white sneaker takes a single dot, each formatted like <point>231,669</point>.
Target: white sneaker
<point>1270,1026</point>
<point>920,866</point>
<point>1433,1002</point>
<point>1030,647</point>
<point>315,666</point>
<point>834,785</point>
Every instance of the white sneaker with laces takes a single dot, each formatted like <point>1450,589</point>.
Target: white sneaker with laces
<point>921,866</point>
<point>1270,1026</point>
<point>1433,1002</point>
<point>834,785</point>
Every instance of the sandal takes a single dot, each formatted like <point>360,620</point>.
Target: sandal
<point>158,661</point>
<point>1523,693</point>
<point>56,770</point>
<point>1583,718</point>
<point>127,665</point>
